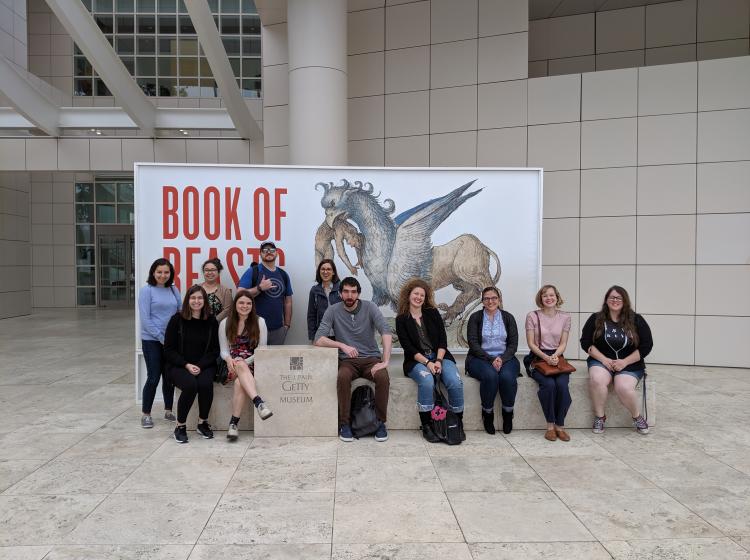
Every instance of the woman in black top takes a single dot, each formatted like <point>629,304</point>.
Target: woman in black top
<point>421,333</point>
<point>616,340</point>
<point>324,293</point>
<point>191,347</point>
<point>493,340</point>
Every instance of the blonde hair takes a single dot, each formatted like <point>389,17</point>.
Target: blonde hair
<point>541,291</point>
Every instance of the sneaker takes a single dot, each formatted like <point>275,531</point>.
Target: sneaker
<point>204,429</point>
<point>169,416</point>
<point>640,424</point>
<point>232,432</point>
<point>264,412</point>
<point>147,421</point>
<point>598,427</point>
<point>381,434</point>
<point>345,433</point>
<point>180,434</point>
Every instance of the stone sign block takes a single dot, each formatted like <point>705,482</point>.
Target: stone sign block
<point>299,385</point>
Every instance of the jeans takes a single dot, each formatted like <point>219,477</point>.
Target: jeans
<point>153,354</point>
<point>554,396</point>
<point>449,377</point>
<point>638,373</point>
<point>491,382</point>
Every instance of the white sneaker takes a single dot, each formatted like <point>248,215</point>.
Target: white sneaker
<point>233,433</point>
<point>264,412</point>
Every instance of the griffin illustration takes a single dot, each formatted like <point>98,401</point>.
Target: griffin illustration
<point>396,249</point>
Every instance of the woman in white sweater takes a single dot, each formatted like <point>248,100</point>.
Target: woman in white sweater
<point>239,335</point>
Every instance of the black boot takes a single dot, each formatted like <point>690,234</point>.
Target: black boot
<point>427,431</point>
<point>507,421</point>
<point>489,422</point>
<point>460,416</point>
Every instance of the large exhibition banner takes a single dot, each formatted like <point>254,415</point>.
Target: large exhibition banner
<point>462,229</point>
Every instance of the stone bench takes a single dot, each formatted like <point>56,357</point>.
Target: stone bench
<point>402,412</point>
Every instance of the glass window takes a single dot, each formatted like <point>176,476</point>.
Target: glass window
<point>125,6</point>
<point>83,87</point>
<point>213,5</point>
<point>105,192</point>
<point>167,66</point>
<point>147,85</point>
<point>188,66</point>
<point>85,213</point>
<point>168,25</point>
<point>82,67</point>
<point>103,6</point>
<point>85,255</point>
<point>230,6</point>
<point>251,68</point>
<point>77,51</point>
<point>188,87</point>
<point>105,213</point>
<point>101,88</point>
<point>251,88</point>
<point>125,213</point>
<point>147,6</point>
<point>146,24</point>
<point>125,192</point>
<point>145,66</point>
<point>167,87</point>
<point>206,69</point>
<point>230,24</point>
<point>251,25</point>
<point>168,45</point>
<point>181,7</point>
<point>129,63</point>
<point>104,23</point>
<point>251,46</point>
<point>86,276</point>
<point>125,24</point>
<point>146,45</point>
<point>125,45</point>
<point>231,45</point>
<point>186,26</point>
<point>86,296</point>
<point>188,47</point>
<point>84,192</point>
<point>86,4</point>
<point>84,233</point>
<point>248,7</point>
<point>235,64</point>
<point>209,88</point>
<point>167,6</point>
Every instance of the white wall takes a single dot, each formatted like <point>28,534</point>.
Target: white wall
<point>660,33</point>
<point>647,170</point>
<point>13,34</point>
<point>15,264</point>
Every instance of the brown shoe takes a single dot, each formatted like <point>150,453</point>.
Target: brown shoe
<point>550,435</point>
<point>563,435</point>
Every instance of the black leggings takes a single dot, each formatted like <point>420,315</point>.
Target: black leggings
<point>191,385</point>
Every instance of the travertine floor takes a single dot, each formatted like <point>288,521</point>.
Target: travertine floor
<point>80,479</point>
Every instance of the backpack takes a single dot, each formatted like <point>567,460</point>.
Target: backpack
<point>256,273</point>
<point>445,423</point>
<point>363,419</point>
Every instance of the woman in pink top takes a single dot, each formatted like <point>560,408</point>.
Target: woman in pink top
<point>547,331</point>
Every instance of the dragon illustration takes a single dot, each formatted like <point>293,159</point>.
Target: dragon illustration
<point>396,249</point>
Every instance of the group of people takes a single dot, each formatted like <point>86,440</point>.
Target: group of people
<point>185,340</point>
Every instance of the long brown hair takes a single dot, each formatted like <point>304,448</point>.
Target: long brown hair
<point>187,313</point>
<point>251,328</point>
<point>406,290</point>
<point>627,315</point>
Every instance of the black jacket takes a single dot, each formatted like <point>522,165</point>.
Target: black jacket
<point>317,305</point>
<point>408,336</point>
<point>645,342</point>
<point>474,336</point>
<point>198,344</point>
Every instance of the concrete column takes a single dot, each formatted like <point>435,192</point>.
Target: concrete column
<point>317,82</point>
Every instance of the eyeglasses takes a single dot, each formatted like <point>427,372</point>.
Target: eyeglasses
<point>614,298</point>
<point>493,298</point>
<point>268,250</point>
<point>210,270</point>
